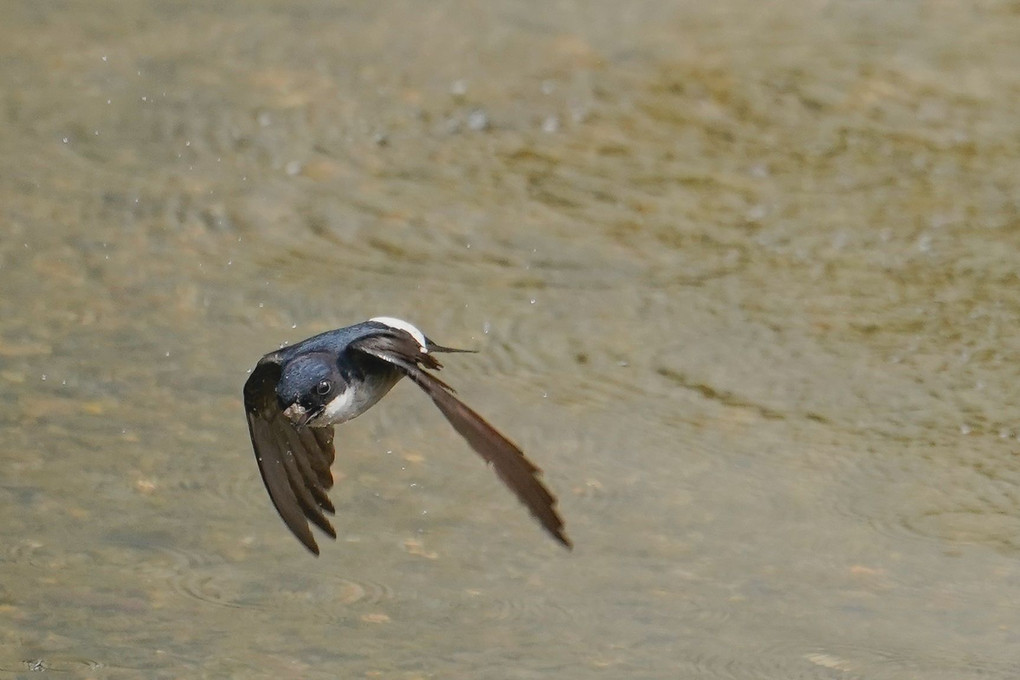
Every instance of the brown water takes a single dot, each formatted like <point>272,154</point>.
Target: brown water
<point>744,278</point>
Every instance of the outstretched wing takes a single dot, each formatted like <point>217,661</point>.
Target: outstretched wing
<point>517,472</point>
<point>294,462</point>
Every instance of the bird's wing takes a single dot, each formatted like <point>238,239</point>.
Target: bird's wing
<point>294,462</point>
<point>517,472</point>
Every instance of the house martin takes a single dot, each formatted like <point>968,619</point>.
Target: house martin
<point>295,396</point>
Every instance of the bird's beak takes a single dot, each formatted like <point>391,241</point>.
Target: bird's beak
<point>297,414</point>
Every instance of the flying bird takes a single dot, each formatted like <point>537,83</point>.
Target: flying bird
<point>295,396</point>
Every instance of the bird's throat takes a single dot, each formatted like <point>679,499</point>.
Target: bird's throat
<point>358,397</point>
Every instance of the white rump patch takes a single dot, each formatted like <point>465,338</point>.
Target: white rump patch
<point>400,324</point>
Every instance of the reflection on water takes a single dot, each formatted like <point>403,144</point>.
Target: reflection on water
<point>742,281</point>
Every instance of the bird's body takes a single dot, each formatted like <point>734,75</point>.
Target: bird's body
<point>296,395</point>
<point>362,380</point>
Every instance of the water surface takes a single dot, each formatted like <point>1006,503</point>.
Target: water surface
<point>743,278</point>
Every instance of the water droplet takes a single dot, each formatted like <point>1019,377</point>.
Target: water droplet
<point>478,121</point>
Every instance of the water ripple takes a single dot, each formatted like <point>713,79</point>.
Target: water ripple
<point>205,577</point>
<point>330,600</point>
<point>842,662</point>
<point>524,608</point>
<point>944,495</point>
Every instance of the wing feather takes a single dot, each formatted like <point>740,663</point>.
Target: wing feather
<point>294,463</point>
<point>511,465</point>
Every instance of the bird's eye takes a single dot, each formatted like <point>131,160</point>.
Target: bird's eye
<point>324,388</point>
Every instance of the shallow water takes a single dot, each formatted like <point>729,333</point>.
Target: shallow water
<point>743,282</point>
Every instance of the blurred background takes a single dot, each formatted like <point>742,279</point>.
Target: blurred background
<point>743,277</point>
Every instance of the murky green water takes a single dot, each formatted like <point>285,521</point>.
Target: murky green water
<point>744,278</point>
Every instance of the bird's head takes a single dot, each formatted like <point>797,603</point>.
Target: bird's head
<point>307,384</point>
